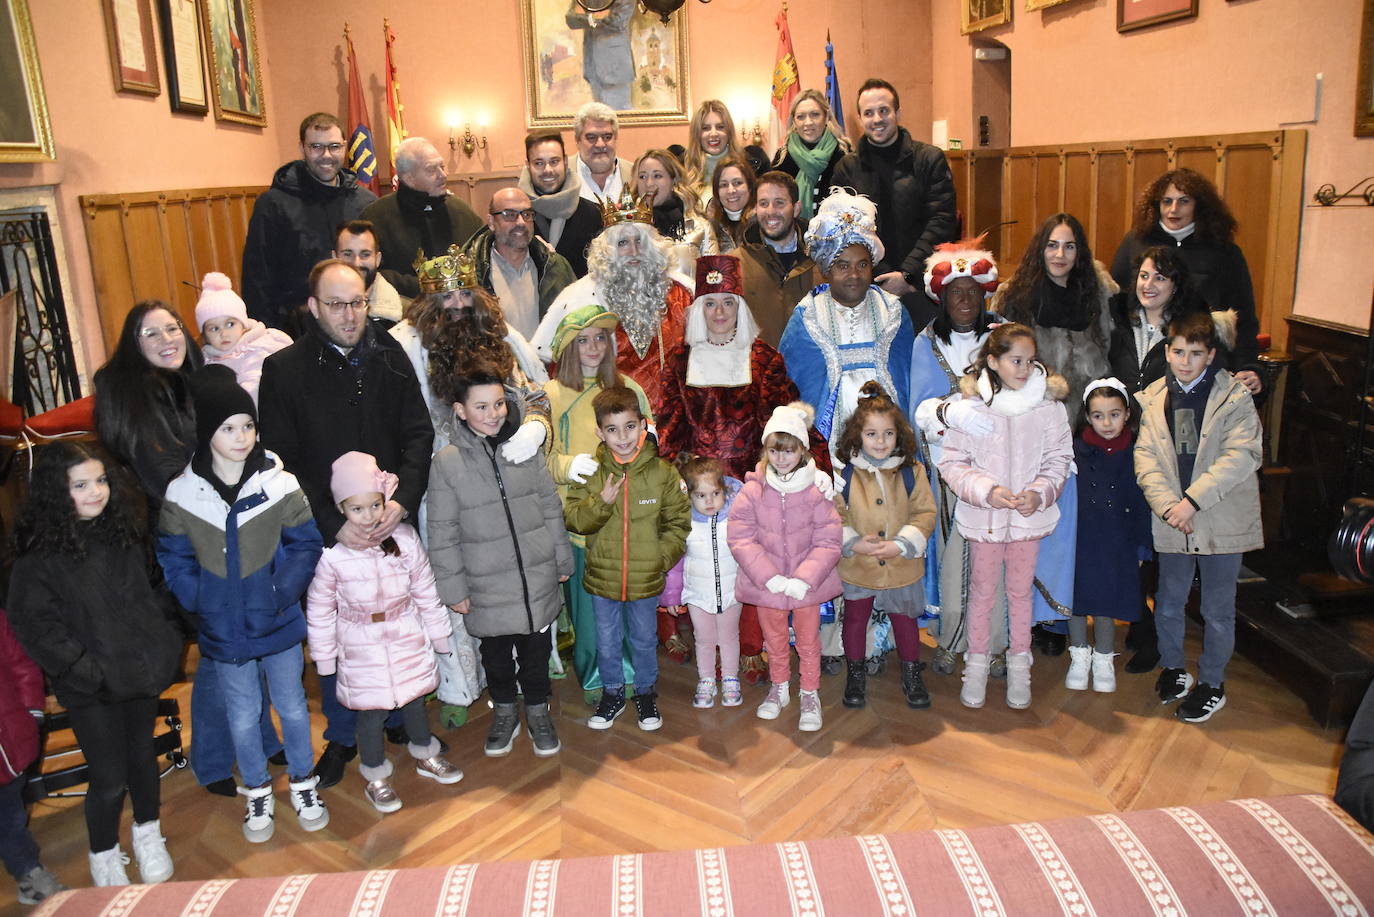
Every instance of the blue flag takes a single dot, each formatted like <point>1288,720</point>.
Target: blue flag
<point>832,84</point>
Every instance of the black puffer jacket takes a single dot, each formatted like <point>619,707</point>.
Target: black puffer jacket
<point>1218,275</point>
<point>94,624</point>
<point>410,221</point>
<point>312,409</point>
<point>921,206</point>
<point>292,228</point>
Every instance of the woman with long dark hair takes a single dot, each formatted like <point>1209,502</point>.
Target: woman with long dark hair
<point>1063,294</point>
<point>732,204</point>
<point>1182,209</point>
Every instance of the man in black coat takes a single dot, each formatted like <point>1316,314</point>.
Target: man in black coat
<point>911,185</point>
<point>562,216</point>
<point>293,222</point>
<point>343,387</point>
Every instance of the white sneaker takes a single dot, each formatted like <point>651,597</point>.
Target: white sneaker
<point>150,850</point>
<point>810,711</point>
<point>975,689</point>
<point>260,820</point>
<point>107,867</point>
<point>706,694</point>
<point>305,799</point>
<point>773,704</point>
<point>1104,672</point>
<point>1080,661</point>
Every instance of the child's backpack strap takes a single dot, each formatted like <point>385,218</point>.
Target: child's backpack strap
<point>908,479</point>
<point>846,475</point>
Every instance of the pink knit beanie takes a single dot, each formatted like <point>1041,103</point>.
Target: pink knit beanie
<point>356,473</point>
<point>218,299</point>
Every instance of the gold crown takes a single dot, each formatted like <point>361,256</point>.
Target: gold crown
<point>454,270</point>
<point>629,209</point>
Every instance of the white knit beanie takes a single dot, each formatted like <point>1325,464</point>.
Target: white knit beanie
<point>218,300</point>
<point>794,418</point>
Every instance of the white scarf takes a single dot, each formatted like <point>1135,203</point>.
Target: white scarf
<point>1009,402</point>
<point>797,481</point>
<point>1178,235</point>
<point>864,463</point>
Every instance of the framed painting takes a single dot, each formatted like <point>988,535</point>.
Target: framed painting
<point>1364,86</point>
<point>977,15</point>
<point>1033,5</point>
<point>25,132</point>
<point>628,59</point>
<point>183,50</point>
<point>231,41</point>
<point>129,30</point>
<point>1137,14</point>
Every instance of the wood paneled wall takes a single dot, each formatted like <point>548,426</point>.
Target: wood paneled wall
<point>1259,174</point>
<point>158,244</point>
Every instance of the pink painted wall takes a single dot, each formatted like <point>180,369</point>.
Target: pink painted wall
<point>108,141</point>
<point>1238,66</point>
<point>444,66</point>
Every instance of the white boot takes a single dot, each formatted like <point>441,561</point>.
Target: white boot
<point>107,867</point>
<point>1080,659</point>
<point>150,849</point>
<point>1018,680</point>
<point>1104,672</point>
<point>975,690</point>
<point>773,704</point>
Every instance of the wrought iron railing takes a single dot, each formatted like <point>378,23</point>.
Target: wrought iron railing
<point>45,374</point>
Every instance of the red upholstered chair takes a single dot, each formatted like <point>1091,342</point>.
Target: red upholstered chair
<point>69,419</point>
<point>11,419</point>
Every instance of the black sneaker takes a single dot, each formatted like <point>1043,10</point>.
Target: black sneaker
<point>647,707</point>
<point>611,706</point>
<point>330,767</point>
<point>1173,684</point>
<point>914,686</point>
<point>1201,703</point>
<point>279,759</point>
<point>1051,643</point>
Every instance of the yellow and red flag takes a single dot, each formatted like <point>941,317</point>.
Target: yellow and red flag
<point>785,82</point>
<point>362,155</point>
<point>396,131</point>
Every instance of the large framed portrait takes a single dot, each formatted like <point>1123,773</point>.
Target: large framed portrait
<point>129,31</point>
<point>1137,14</point>
<point>183,48</point>
<point>1364,86</point>
<point>231,38</point>
<point>977,15</point>
<point>25,132</point>
<point>626,58</point>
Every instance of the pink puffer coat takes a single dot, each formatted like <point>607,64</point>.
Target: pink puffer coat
<point>377,620</point>
<point>246,356</point>
<point>1030,448</point>
<point>796,535</point>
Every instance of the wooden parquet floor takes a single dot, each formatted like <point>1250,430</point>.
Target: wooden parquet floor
<point>722,776</point>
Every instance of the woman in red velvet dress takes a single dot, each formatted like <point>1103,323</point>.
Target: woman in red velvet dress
<point>718,389</point>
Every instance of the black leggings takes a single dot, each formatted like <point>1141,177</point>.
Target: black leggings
<point>117,741</point>
<point>371,749</point>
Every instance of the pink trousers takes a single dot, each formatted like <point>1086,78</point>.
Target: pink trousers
<point>806,628</point>
<point>713,631</point>
<point>987,562</point>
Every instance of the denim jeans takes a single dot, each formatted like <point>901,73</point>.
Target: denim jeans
<point>18,850</point>
<point>212,749</point>
<point>242,686</point>
<point>637,620</point>
<point>341,723</point>
<point>1218,604</point>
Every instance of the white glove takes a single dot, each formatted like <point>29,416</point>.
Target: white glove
<point>582,467</point>
<point>777,585</point>
<point>525,443</point>
<point>796,589</point>
<point>826,484</point>
<point>963,416</point>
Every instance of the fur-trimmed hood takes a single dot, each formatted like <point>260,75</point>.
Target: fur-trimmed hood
<point>1056,386</point>
<point>1226,321</point>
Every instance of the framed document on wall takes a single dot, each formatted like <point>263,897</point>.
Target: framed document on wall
<point>231,41</point>
<point>183,48</point>
<point>129,30</point>
<point>1137,14</point>
<point>25,132</point>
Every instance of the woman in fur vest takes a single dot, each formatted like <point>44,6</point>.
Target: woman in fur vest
<point>1062,293</point>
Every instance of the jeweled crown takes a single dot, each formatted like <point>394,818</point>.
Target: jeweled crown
<point>628,209</point>
<point>453,270</point>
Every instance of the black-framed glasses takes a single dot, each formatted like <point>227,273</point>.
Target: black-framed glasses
<point>338,306</point>
<point>323,147</point>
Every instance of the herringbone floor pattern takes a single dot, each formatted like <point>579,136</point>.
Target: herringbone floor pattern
<point>722,776</point>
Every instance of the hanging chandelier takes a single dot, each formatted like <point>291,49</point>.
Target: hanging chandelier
<point>664,8</point>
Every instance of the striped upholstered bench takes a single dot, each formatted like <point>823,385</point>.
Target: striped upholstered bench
<point>1293,855</point>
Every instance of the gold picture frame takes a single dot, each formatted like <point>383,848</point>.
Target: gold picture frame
<point>555,38</point>
<point>25,131</point>
<point>1033,5</point>
<point>1364,86</point>
<point>133,56</point>
<point>231,47</point>
<point>977,15</point>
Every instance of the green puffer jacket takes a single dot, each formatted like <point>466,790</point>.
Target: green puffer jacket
<point>633,542</point>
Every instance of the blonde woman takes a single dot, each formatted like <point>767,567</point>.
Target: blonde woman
<point>814,145</point>
<point>711,138</point>
<point>659,176</point>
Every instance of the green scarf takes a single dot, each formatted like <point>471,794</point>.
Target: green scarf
<point>811,162</point>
